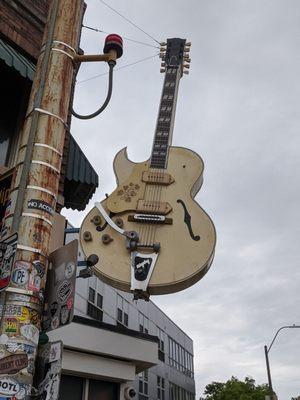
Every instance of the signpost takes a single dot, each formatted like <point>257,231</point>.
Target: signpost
<point>60,288</point>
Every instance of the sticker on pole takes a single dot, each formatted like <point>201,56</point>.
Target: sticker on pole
<point>8,249</point>
<point>48,370</point>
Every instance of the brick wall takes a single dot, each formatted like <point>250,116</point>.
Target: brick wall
<point>22,22</point>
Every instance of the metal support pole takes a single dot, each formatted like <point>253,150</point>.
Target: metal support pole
<point>267,350</point>
<point>34,195</point>
<point>269,372</point>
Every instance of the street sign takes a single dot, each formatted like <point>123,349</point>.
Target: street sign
<point>60,287</point>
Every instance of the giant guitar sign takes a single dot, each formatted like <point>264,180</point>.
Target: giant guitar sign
<point>150,234</point>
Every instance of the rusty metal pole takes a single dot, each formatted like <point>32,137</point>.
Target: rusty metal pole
<point>34,195</point>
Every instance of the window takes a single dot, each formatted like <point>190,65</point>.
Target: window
<point>160,388</point>
<point>143,385</point>
<point>71,388</point>
<point>178,393</point>
<point>92,294</point>
<point>94,305</point>
<point>78,388</point>
<point>161,344</point>
<point>180,359</point>
<point>122,311</point>
<point>143,323</point>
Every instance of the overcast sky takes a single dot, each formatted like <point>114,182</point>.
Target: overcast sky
<point>239,109</point>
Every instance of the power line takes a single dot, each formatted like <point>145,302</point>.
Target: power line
<point>129,21</point>
<point>123,37</point>
<point>117,69</point>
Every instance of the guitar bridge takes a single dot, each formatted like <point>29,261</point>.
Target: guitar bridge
<point>150,219</point>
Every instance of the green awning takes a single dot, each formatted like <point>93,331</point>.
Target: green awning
<point>81,180</point>
<point>15,59</point>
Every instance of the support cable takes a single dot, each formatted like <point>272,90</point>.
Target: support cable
<point>117,69</point>
<point>123,37</point>
<point>129,21</point>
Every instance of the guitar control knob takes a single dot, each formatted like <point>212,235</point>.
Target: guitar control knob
<point>87,236</point>
<point>119,222</point>
<point>96,220</point>
<point>106,239</point>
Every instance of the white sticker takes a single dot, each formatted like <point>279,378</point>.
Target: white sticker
<point>30,332</point>
<point>9,386</point>
<point>4,339</point>
<point>55,352</point>
<point>20,276</point>
<point>69,271</point>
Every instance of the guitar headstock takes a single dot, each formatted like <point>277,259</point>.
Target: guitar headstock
<point>175,53</point>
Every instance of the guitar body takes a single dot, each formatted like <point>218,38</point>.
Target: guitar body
<point>187,241</point>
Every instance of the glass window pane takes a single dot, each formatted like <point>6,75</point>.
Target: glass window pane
<point>91,295</point>
<point>102,390</point>
<point>125,319</point>
<point>99,300</point>
<point>71,388</point>
<point>119,315</point>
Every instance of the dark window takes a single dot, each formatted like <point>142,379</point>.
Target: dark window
<point>13,108</point>
<point>92,295</point>
<point>94,312</point>
<point>99,300</point>
<point>161,355</point>
<point>102,390</point>
<point>125,319</point>
<point>71,388</point>
<point>120,315</point>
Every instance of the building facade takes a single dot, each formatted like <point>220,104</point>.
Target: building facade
<point>173,376</point>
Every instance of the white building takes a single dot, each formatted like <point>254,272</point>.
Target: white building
<point>114,340</point>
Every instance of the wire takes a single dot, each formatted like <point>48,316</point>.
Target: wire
<point>123,37</point>
<point>117,69</point>
<point>128,20</point>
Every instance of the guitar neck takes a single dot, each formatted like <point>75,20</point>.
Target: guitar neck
<point>165,121</point>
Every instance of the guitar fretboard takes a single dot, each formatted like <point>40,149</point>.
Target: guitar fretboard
<point>165,120</point>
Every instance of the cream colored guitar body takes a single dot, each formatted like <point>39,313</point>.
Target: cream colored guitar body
<point>187,241</point>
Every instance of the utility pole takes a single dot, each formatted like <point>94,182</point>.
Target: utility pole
<point>34,195</point>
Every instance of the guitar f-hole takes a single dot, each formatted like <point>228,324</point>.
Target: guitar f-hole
<point>187,220</point>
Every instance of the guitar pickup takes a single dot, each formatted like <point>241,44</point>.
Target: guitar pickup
<point>153,207</point>
<point>157,178</point>
<point>150,219</point>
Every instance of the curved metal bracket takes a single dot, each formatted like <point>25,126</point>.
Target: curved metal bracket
<point>111,64</point>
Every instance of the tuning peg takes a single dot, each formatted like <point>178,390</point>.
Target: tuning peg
<point>186,66</point>
<point>161,55</point>
<point>162,70</point>
<point>187,59</point>
<point>187,49</point>
<point>163,44</point>
<point>188,44</point>
<point>163,64</point>
<point>186,72</point>
<point>186,55</point>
